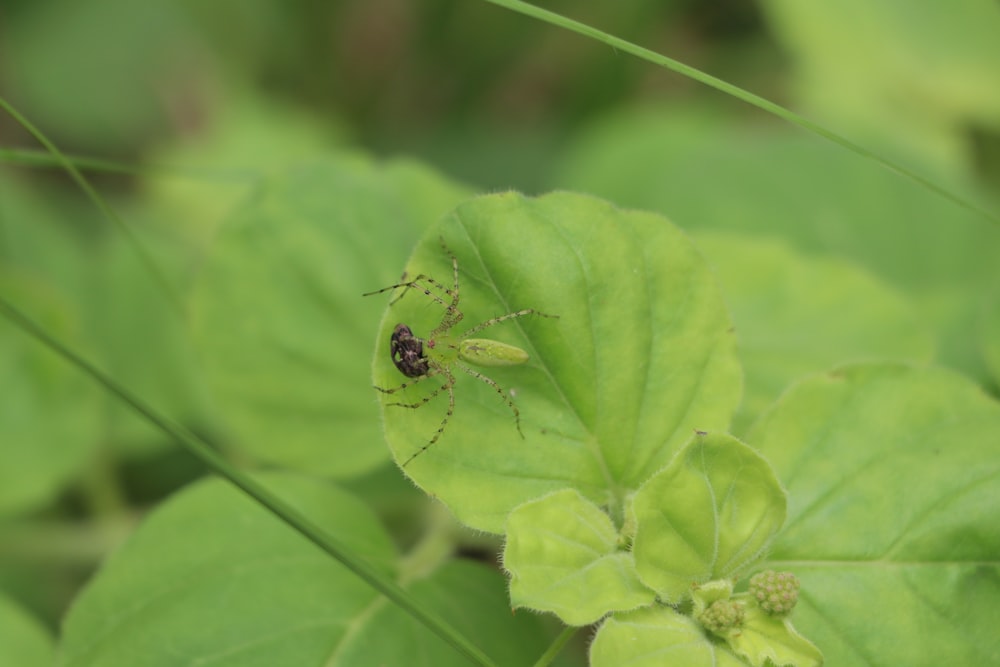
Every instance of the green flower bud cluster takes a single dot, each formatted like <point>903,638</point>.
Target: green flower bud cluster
<point>775,592</point>
<point>722,616</point>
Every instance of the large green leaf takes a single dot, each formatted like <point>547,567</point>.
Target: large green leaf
<point>284,334</point>
<point>24,641</point>
<point>641,356</point>
<point>892,476</point>
<point>211,574</point>
<point>796,315</point>
<point>211,577</point>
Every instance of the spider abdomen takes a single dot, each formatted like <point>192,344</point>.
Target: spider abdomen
<point>485,352</point>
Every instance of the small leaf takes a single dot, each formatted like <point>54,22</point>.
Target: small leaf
<point>656,636</point>
<point>893,476</point>
<point>642,354</point>
<point>562,553</point>
<point>765,637</point>
<point>708,515</point>
<point>703,595</point>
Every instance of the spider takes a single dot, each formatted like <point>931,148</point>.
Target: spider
<point>440,353</point>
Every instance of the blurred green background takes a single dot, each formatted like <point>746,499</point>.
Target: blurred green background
<point>202,109</point>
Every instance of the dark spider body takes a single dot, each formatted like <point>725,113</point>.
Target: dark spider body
<point>408,352</point>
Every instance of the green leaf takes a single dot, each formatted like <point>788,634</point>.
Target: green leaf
<point>708,515</point>
<point>816,197</point>
<point>284,334</point>
<point>469,595</point>
<point>123,321</point>
<point>246,136</point>
<point>140,340</point>
<point>220,580</point>
<point>765,638</point>
<point>213,575</point>
<point>563,556</point>
<point>25,642</point>
<point>48,416</point>
<point>796,315</point>
<point>656,636</point>
<point>642,354</point>
<point>892,478</point>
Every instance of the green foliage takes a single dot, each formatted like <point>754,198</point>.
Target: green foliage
<point>947,55</point>
<point>210,573</point>
<point>48,418</point>
<point>708,515</point>
<point>643,637</point>
<point>703,412</point>
<point>813,197</point>
<point>890,472</point>
<point>601,412</point>
<point>798,314</point>
<point>278,316</point>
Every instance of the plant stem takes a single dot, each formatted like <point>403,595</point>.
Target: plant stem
<point>553,650</point>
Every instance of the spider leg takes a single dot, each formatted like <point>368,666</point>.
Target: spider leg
<point>452,314</point>
<point>425,399</point>
<point>503,318</point>
<point>504,395</point>
<point>417,283</point>
<point>393,390</point>
<point>450,386</point>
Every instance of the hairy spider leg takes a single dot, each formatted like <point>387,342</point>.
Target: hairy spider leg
<point>504,395</point>
<point>450,386</point>
<point>431,373</point>
<point>452,315</point>
<point>417,283</point>
<point>503,318</point>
